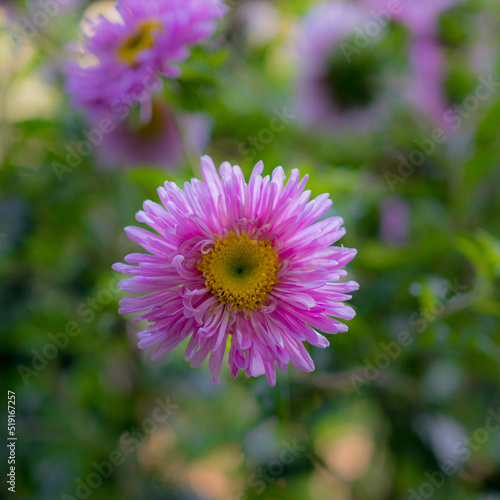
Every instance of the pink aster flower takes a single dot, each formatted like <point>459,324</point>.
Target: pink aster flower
<point>122,61</point>
<point>160,142</point>
<point>248,266</point>
<point>340,84</point>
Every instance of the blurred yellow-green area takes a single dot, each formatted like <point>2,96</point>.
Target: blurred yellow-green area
<point>405,405</point>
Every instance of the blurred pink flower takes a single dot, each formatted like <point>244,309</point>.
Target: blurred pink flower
<point>123,62</point>
<point>425,87</point>
<point>339,83</point>
<point>420,16</point>
<point>159,142</point>
<point>249,265</point>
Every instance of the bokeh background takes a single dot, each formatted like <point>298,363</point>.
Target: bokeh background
<point>405,405</point>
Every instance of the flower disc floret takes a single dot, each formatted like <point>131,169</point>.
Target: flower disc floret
<point>141,40</point>
<point>241,271</point>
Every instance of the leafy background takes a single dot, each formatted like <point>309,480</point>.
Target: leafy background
<point>360,431</point>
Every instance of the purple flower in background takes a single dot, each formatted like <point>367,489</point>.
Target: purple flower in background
<point>123,60</point>
<point>425,88</point>
<point>420,16</point>
<point>159,142</point>
<point>340,84</point>
<point>247,266</point>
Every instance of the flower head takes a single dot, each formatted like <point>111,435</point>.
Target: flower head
<point>123,59</point>
<point>420,17</point>
<point>426,58</point>
<point>250,266</point>
<point>341,85</point>
<point>159,142</point>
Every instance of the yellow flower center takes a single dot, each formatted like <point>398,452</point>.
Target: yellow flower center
<point>158,122</point>
<point>141,40</point>
<point>241,271</point>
